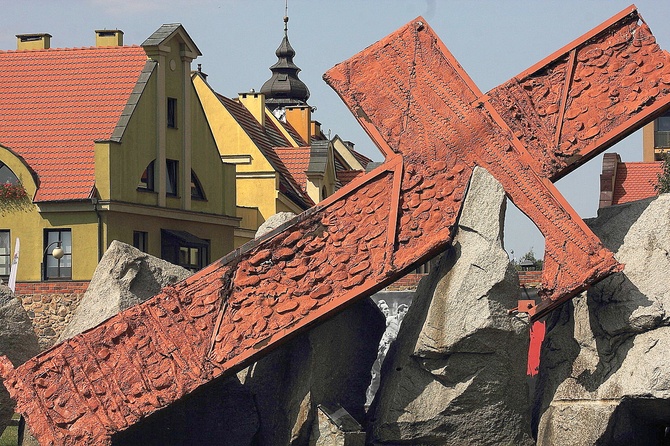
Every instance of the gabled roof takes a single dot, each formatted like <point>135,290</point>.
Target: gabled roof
<point>318,157</point>
<point>296,160</point>
<point>302,160</point>
<point>265,139</point>
<point>364,160</point>
<point>636,181</point>
<point>347,176</point>
<point>55,103</point>
<point>167,32</point>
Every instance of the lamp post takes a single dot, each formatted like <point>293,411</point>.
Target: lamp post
<point>57,254</point>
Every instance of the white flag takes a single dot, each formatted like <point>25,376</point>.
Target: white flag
<point>15,265</point>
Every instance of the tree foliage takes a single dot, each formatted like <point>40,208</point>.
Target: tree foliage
<point>529,257</point>
<point>663,186</point>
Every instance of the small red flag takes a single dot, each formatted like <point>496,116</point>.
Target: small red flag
<point>537,331</point>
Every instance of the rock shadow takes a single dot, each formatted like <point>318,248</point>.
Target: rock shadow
<point>638,421</point>
<point>613,222</point>
<point>220,413</point>
<point>614,326</point>
<point>410,328</point>
<point>556,359</point>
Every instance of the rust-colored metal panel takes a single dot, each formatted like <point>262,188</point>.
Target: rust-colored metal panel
<point>434,126</point>
<point>587,96</point>
<point>414,99</point>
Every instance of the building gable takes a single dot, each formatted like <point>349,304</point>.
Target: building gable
<point>235,145</point>
<point>51,116</point>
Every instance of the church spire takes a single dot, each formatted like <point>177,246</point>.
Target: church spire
<point>284,88</point>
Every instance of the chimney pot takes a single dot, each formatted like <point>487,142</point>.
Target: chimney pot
<point>40,41</point>
<point>108,37</point>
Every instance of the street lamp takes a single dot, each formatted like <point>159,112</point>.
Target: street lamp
<point>57,254</point>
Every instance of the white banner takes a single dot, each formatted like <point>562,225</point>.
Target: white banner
<point>15,265</point>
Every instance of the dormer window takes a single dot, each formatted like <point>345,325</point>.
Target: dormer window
<point>172,113</point>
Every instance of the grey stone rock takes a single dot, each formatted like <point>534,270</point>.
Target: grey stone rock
<point>335,427</point>
<point>330,365</point>
<point>604,377</point>
<point>124,277</point>
<point>274,222</point>
<point>18,342</point>
<point>456,374</point>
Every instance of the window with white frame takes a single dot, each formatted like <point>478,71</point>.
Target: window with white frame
<point>57,268</point>
<point>5,255</point>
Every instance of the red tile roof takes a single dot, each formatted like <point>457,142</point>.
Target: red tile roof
<point>55,103</point>
<point>346,176</point>
<point>635,181</point>
<point>364,160</point>
<point>296,160</point>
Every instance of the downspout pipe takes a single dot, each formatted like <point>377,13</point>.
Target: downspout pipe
<point>94,200</point>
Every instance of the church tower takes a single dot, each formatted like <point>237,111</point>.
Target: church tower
<point>284,88</point>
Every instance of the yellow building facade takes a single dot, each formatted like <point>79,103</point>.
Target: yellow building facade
<point>126,154</point>
<point>284,163</point>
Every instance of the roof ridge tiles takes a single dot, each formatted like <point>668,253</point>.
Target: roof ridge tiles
<point>75,48</point>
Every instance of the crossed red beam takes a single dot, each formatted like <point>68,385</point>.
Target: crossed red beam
<point>434,126</point>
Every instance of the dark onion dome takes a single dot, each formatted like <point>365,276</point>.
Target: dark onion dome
<point>284,88</point>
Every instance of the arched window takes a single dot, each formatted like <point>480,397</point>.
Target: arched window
<point>6,175</point>
<point>147,179</point>
<point>196,188</point>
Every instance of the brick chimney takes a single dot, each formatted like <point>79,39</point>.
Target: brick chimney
<point>255,103</point>
<point>108,37</point>
<point>33,41</point>
<point>315,129</point>
<point>299,116</point>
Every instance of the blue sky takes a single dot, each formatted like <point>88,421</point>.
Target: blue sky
<point>492,39</point>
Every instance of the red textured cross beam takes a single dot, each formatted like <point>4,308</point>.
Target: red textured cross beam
<point>434,127</point>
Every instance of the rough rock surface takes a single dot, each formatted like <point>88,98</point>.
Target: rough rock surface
<point>456,374</point>
<point>335,428</point>
<point>17,341</point>
<point>124,277</point>
<point>604,375</point>
<point>274,222</point>
<point>330,364</point>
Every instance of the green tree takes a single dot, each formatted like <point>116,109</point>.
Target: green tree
<point>663,186</point>
<point>529,257</point>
